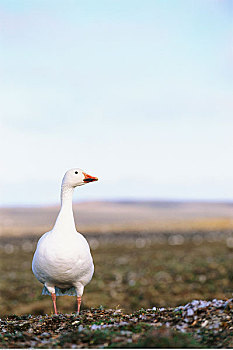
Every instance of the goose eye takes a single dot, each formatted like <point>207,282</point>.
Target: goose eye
<point>76,172</point>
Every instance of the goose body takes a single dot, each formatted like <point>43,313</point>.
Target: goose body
<point>63,263</point>
<point>62,260</point>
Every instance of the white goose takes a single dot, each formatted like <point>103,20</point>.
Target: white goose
<point>62,260</point>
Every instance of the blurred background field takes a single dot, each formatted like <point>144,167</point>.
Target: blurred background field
<point>146,254</point>
<point>139,94</point>
<point>104,217</point>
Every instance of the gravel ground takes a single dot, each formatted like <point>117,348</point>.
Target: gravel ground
<point>197,324</point>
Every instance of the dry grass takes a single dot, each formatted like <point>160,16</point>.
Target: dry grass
<point>130,274</point>
<point>107,217</point>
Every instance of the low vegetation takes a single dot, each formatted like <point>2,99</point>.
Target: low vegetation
<point>135,274</point>
<point>196,325</point>
<point>154,274</point>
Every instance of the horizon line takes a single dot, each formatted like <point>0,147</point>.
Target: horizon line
<point>125,201</point>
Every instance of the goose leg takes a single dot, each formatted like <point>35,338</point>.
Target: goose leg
<point>79,304</point>
<point>54,303</point>
<point>79,290</point>
<point>52,291</point>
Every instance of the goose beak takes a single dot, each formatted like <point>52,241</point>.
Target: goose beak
<point>89,178</point>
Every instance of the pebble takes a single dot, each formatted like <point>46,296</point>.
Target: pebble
<point>204,324</point>
<point>75,322</point>
<point>190,312</point>
<point>80,328</point>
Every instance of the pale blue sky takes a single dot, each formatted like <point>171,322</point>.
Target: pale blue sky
<point>138,93</point>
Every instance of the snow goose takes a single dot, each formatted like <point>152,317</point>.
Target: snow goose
<point>62,260</point>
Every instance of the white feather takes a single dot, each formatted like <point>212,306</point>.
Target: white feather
<point>62,260</point>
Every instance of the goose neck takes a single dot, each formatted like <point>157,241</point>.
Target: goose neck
<point>65,219</point>
<point>66,196</point>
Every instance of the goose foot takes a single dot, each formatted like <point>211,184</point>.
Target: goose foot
<point>79,304</point>
<point>54,303</point>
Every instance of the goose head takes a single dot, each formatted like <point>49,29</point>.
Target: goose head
<point>77,177</point>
